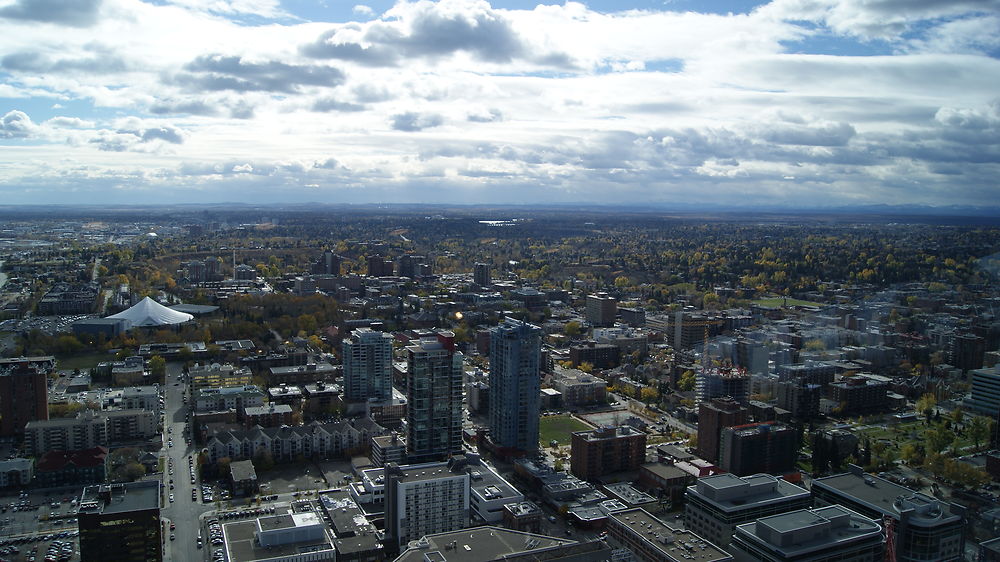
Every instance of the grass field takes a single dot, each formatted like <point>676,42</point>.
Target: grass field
<point>781,301</point>
<point>558,428</point>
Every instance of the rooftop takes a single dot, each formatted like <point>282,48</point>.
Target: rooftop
<point>796,534</point>
<point>884,497</point>
<point>729,492</point>
<point>478,544</point>
<point>241,545</point>
<point>674,545</point>
<point>106,499</point>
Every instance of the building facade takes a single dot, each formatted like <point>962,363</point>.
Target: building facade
<point>515,348</point>
<point>810,535</point>
<point>367,357</point>
<point>601,309</point>
<point>121,522</point>
<point>606,450</point>
<point>713,417</point>
<point>770,448</point>
<point>24,394</point>
<point>434,398</point>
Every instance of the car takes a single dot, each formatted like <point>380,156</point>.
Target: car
<point>171,498</point>
<point>172,536</point>
<point>173,525</point>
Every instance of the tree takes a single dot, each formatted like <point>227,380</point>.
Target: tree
<point>925,406</point>
<point>814,345</point>
<point>687,381</point>
<point>957,415</point>
<point>938,439</point>
<point>559,465</point>
<point>979,430</point>
<point>157,366</point>
<point>649,394</point>
<point>910,453</point>
<point>572,329</point>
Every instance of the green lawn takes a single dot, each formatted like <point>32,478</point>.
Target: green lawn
<point>558,428</point>
<point>780,301</point>
<point>82,362</point>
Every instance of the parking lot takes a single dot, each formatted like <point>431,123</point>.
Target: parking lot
<point>295,477</point>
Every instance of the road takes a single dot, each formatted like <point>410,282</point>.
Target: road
<point>183,512</point>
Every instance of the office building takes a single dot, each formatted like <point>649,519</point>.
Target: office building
<point>770,448</point>
<point>601,310</point>
<point>713,417</point>
<point>599,355</point>
<point>810,535</point>
<point>650,540</point>
<point>291,536</point>
<point>715,505</point>
<point>923,528</point>
<point>635,317</point>
<point>367,357</point>
<point>24,393</point>
<point>515,348</point>
<point>434,398</point>
<point>422,499</point>
<point>691,328</point>
<point>121,522</point>
<point>606,450</point>
<point>485,544</point>
<point>752,356</point>
<point>985,397</point>
<point>859,395</point>
<point>578,388</point>
<point>481,275</point>
<point>715,383</point>
<point>522,516</point>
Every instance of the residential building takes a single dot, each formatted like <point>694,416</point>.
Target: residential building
<point>715,383</point>
<point>651,540</point>
<point>218,376</point>
<point>515,383</point>
<point>86,431</point>
<point>367,358</point>
<point>408,265</point>
<point>750,355</point>
<point>24,393</point>
<point>923,528</point>
<point>715,505</point>
<point>268,415</point>
<point>121,522</point>
<point>16,473</point>
<point>599,355</point>
<point>323,398</point>
<point>243,478</point>
<point>714,416</point>
<point>56,469</point>
<point>422,499</point>
<point>800,398</point>
<point>665,480</point>
<point>859,395</point>
<point>522,516</point>
<point>635,317</point>
<point>606,450</point>
<point>601,309</point>
<point>378,266</point>
<point>691,328</point>
<point>387,449</point>
<point>238,398</point>
<point>301,374</point>
<point>579,388</point>
<point>434,398</point>
<point>311,441</point>
<point>810,535</point>
<point>481,275</point>
<point>770,448</point>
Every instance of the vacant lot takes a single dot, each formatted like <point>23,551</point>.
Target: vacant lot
<point>558,428</point>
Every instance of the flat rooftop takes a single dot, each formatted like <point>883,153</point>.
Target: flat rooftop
<point>106,499</point>
<point>877,493</point>
<point>479,544</point>
<point>240,544</point>
<point>730,492</point>
<point>796,534</point>
<point>674,545</point>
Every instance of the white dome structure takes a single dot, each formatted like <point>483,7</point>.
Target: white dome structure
<point>148,312</point>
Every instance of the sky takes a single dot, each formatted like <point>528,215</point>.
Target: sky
<point>786,103</point>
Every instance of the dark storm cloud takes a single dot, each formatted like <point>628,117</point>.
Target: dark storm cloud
<point>218,72</point>
<point>75,13</point>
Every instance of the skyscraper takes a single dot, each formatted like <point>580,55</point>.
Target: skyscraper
<point>367,365</point>
<point>515,349</point>
<point>23,392</point>
<point>713,416</point>
<point>434,398</point>
<point>121,522</point>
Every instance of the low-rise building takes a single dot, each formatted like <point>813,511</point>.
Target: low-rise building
<point>607,450</point>
<point>16,472</point>
<point>715,505</point>
<point>486,544</point>
<point>923,527</point>
<point>267,415</point>
<point>243,478</point>
<point>651,540</point>
<point>810,535</point>
<point>579,388</point>
<point>238,398</point>
<point>56,469</point>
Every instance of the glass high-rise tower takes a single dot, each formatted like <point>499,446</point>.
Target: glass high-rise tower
<point>515,351</point>
<point>434,398</point>
<point>367,365</point>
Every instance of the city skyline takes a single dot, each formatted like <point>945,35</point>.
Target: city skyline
<point>787,103</point>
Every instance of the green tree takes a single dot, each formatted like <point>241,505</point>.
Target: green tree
<point>957,415</point>
<point>925,405</point>
<point>157,366</point>
<point>572,328</point>
<point>687,381</point>
<point>979,430</point>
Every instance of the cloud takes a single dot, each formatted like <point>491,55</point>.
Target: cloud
<point>35,62</point>
<point>485,116</point>
<point>826,134</point>
<point>75,13</point>
<point>262,8</point>
<point>190,107</point>
<point>362,10</point>
<point>411,121</point>
<point>429,30</point>
<point>333,104</point>
<point>70,122</point>
<point>16,125</point>
<point>219,72</point>
<point>134,137</point>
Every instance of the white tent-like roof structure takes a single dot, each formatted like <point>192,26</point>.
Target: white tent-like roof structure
<point>148,312</point>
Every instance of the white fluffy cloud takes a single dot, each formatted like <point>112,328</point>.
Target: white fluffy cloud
<point>553,103</point>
